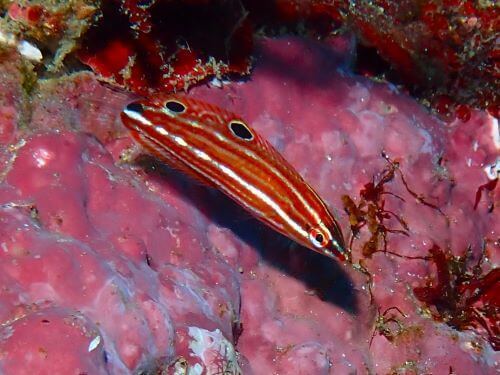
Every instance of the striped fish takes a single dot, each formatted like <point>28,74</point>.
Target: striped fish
<point>218,148</point>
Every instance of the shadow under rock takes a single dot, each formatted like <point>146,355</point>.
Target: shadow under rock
<point>307,62</point>
<point>323,276</point>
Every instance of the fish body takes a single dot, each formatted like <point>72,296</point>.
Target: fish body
<point>221,150</point>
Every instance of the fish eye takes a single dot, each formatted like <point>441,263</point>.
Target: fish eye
<point>135,107</point>
<point>175,106</point>
<point>318,238</point>
<point>240,130</point>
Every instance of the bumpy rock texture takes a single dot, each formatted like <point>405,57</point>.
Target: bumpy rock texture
<point>112,266</point>
<point>444,51</point>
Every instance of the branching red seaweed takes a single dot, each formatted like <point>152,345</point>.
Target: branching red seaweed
<point>463,296</point>
<point>371,211</point>
<point>489,187</point>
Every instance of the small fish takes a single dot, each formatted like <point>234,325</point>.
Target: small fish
<point>221,150</point>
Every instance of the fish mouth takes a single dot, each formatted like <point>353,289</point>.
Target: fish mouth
<point>342,253</point>
<point>338,247</point>
<point>338,251</point>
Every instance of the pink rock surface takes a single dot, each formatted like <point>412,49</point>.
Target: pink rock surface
<point>113,267</point>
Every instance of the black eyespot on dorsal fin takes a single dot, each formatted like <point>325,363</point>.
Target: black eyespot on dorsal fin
<point>175,106</point>
<point>240,130</point>
<point>135,107</point>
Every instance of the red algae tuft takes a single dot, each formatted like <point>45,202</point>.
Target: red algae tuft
<point>464,296</point>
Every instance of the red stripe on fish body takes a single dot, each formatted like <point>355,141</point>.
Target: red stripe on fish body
<point>220,149</point>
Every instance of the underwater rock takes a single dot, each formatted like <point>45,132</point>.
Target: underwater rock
<point>148,271</point>
<point>167,45</point>
<point>444,52</point>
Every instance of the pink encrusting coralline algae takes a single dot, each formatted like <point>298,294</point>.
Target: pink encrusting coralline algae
<point>112,263</point>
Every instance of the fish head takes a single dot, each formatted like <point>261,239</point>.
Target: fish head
<point>328,240</point>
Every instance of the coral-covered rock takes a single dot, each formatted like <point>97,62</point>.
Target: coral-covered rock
<point>444,51</point>
<point>40,340</point>
<point>65,244</point>
<point>55,26</point>
<point>167,45</point>
<point>143,269</point>
<point>349,124</point>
